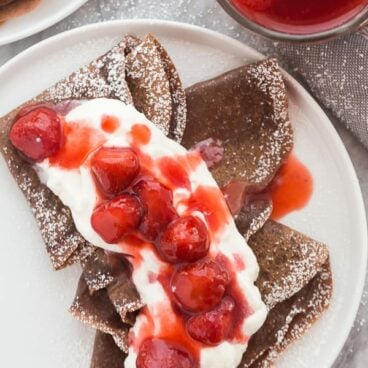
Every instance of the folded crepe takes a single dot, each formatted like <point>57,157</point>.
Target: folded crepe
<point>106,298</point>
<point>14,8</point>
<point>106,354</point>
<point>294,280</point>
<point>246,109</point>
<point>296,285</point>
<point>103,77</point>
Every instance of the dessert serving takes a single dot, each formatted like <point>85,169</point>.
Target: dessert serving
<point>169,200</point>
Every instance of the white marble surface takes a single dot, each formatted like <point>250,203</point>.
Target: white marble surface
<point>208,14</point>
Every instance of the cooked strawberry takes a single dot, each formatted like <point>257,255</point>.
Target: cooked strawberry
<point>159,353</point>
<point>157,203</point>
<point>184,240</point>
<point>199,287</point>
<point>211,151</point>
<point>37,133</point>
<point>116,218</point>
<point>114,169</point>
<point>214,326</point>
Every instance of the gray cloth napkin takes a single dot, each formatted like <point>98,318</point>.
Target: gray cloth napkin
<point>336,72</point>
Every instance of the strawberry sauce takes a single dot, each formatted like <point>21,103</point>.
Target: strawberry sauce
<point>300,16</point>
<point>209,201</point>
<point>79,141</point>
<point>140,135</point>
<point>109,124</point>
<point>291,189</point>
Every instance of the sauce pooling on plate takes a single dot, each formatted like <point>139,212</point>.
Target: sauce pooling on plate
<point>291,189</point>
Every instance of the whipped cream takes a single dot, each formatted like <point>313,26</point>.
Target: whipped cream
<point>76,189</point>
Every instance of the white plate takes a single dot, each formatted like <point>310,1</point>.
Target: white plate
<point>46,14</point>
<point>34,300</point>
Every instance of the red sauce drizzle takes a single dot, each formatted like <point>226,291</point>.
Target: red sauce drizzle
<point>140,134</point>
<point>240,265</point>
<point>172,325</point>
<point>242,309</point>
<point>291,189</point>
<point>175,174</point>
<point>242,312</point>
<point>80,141</point>
<point>210,202</point>
<point>109,123</point>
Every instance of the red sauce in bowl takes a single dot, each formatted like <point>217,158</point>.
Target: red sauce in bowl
<point>300,16</point>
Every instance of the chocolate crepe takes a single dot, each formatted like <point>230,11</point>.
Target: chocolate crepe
<point>106,297</point>
<point>155,86</point>
<point>106,354</point>
<point>288,260</point>
<point>295,278</point>
<point>97,311</point>
<point>246,109</point>
<point>289,320</point>
<point>253,216</point>
<point>14,8</point>
<point>103,77</point>
<point>291,312</point>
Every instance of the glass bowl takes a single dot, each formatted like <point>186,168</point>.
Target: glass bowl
<point>360,20</point>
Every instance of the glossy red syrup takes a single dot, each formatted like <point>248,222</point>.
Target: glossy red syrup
<point>109,123</point>
<point>79,141</point>
<point>291,189</point>
<point>242,311</point>
<point>140,134</point>
<point>300,16</point>
<point>240,265</point>
<point>175,174</point>
<point>210,202</point>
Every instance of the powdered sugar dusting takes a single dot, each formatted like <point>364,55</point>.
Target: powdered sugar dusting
<point>288,261</point>
<point>278,142</point>
<point>253,216</point>
<point>148,81</point>
<point>104,77</point>
<point>54,224</point>
<point>98,312</point>
<point>307,306</point>
<point>299,271</point>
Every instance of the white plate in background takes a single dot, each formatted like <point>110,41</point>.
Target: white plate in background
<point>46,14</point>
<point>36,329</point>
